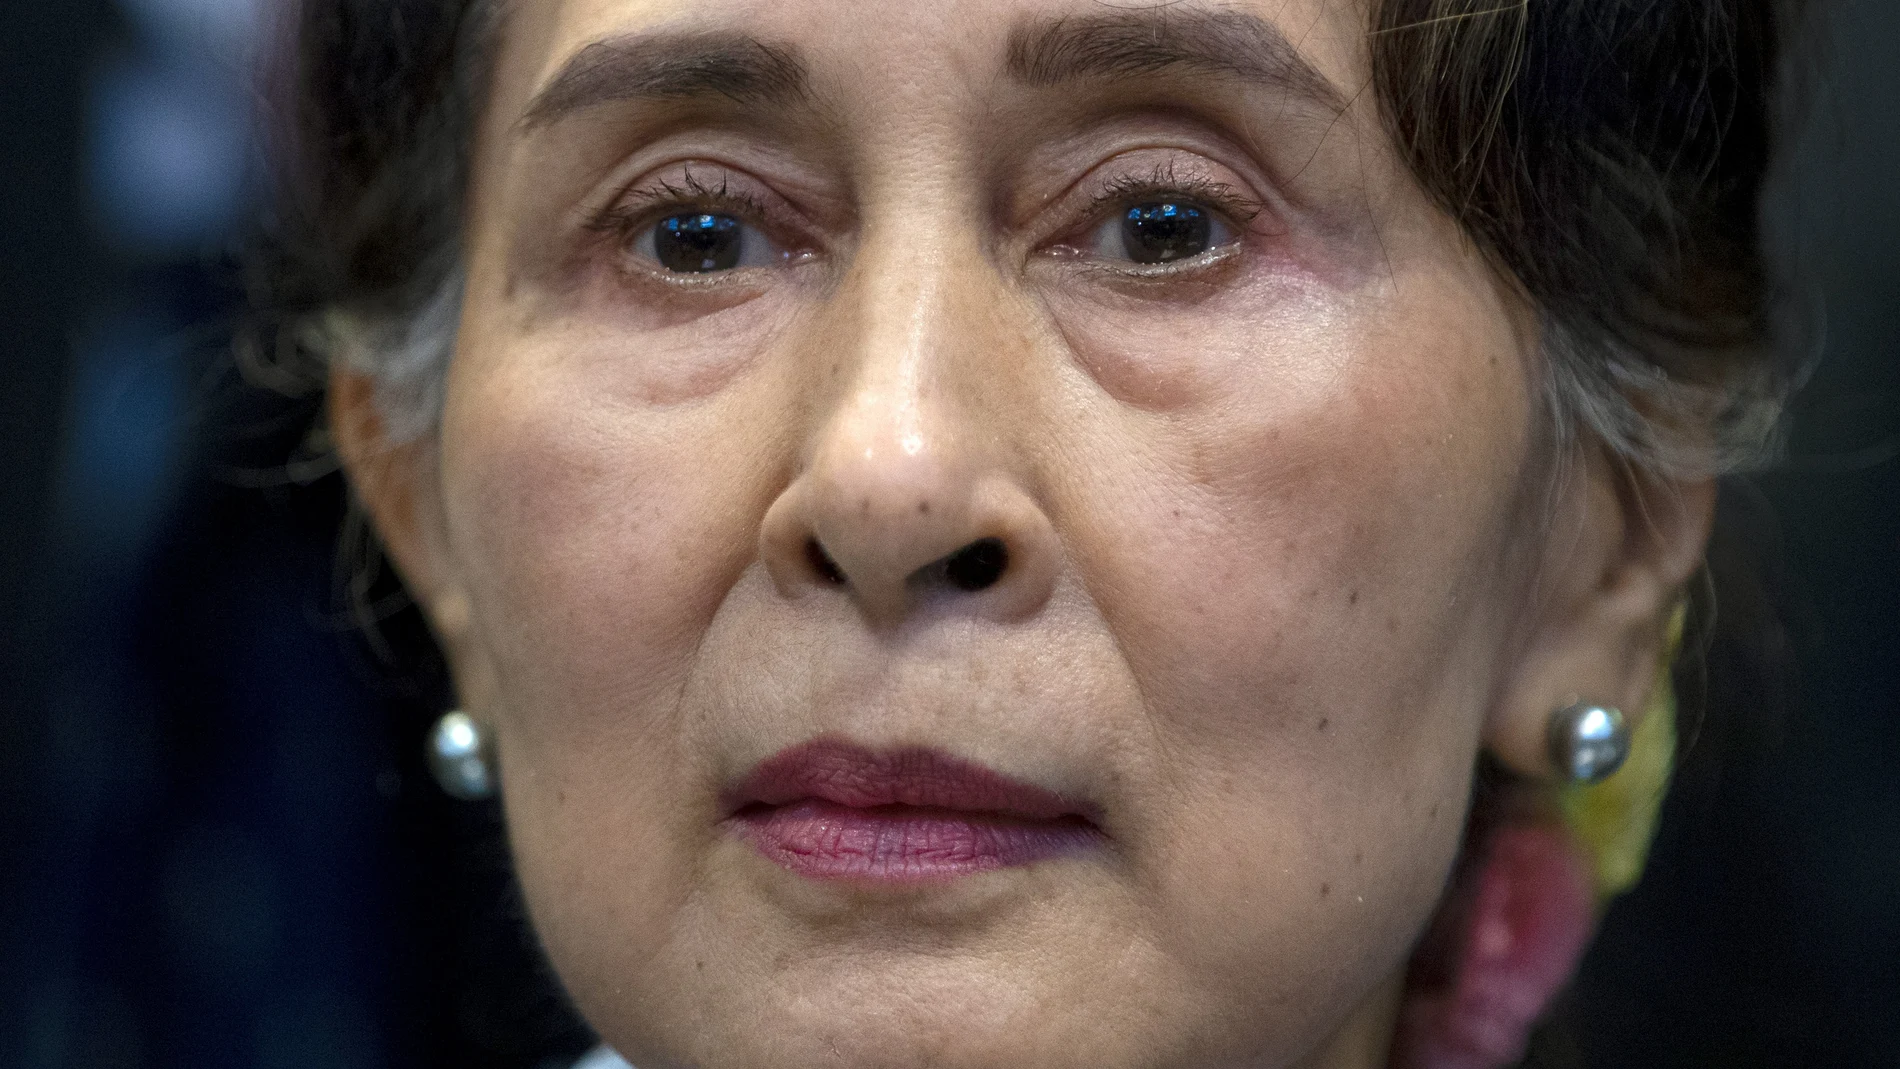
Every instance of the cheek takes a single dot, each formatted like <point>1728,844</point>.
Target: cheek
<point>1322,505</point>
<point>593,544</point>
<point>595,550</point>
<point>1307,570</point>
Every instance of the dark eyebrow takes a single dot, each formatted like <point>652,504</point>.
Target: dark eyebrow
<point>1049,52</point>
<point>669,66</point>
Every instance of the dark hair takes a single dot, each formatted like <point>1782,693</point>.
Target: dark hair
<point>1609,155</point>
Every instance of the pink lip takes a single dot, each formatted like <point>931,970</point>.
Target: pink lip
<point>833,810</point>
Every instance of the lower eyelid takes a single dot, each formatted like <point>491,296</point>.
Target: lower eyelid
<point>1205,268</point>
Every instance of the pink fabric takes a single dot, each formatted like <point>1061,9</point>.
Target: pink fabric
<point>1517,935</point>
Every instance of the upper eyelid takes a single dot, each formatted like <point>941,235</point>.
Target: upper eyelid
<point>1220,197</point>
<point>1186,173</point>
<point>712,183</point>
<point>658,193</point>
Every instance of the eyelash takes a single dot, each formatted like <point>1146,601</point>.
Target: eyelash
<point>627,217</point>
<point>637,209</point>
<point>1164,184</point>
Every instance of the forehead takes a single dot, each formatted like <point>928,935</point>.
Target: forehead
<point>870,49</point>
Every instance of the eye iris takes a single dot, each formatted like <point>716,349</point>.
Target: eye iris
<point>697,243</point>
<point>1157,233</point>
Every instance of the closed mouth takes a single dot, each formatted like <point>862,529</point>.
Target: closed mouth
<point>829,809</point>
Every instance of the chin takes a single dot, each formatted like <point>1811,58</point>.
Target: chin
<point>920,1010</point>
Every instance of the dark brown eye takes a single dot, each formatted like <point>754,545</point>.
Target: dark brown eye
<point>702,242</point>
<point>697,243</point>
<point>1162,231</point>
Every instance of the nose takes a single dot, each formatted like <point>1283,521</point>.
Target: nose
<point>913,495</point>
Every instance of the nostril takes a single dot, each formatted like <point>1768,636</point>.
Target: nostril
<point>978,565</point>
<point>822,563</point>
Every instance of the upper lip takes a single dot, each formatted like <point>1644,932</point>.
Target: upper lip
<point>848,774</point>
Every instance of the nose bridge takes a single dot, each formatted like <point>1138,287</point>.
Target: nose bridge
<point>895,422</point>
<point>909,475</point>
<point>915,293</point>
<point>892,474</point>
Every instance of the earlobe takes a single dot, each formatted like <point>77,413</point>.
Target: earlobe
<point>1616,556</point>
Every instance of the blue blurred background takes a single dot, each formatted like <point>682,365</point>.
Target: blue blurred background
<point>220,846</point>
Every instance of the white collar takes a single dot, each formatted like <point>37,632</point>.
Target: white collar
<point>602,1058</point>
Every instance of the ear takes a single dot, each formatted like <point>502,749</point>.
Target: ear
<point>396,485</point>
<point>1618,550</point>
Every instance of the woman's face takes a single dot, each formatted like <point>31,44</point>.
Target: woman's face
<point>988,531</point>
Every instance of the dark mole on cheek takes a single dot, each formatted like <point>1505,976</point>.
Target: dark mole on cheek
<point>1352,598</point>
<point>923,508</point>
<point>1325,722</point>
<point>1325,889</point>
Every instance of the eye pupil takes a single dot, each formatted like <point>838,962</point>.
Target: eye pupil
<point>697,242</point>
<point>1159,232</point>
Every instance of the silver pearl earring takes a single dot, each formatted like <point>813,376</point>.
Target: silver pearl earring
<point>459,757</point>
<point>1588,742</point>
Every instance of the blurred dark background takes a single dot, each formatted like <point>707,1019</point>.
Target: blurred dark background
<point>218,843</point>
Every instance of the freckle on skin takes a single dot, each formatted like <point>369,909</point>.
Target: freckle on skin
<point>1325,889</point>
<point>1392,624</point>
<point>1352,598</point>
<point>923,508</point>
<point>1325,722</point>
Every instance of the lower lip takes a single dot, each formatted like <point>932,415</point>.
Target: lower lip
<point>903,844</point>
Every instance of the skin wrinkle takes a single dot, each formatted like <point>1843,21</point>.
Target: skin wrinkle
<point>1191,476</point>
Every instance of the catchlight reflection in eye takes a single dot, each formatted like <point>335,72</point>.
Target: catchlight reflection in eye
<point>1163,231</point>
<point>703,243</point>
<point>698,243</point>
